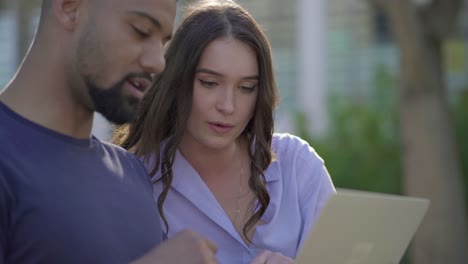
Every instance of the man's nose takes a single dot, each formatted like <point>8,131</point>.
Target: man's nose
<point>152,59</point>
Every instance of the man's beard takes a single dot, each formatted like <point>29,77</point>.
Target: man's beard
<point>111,102</point>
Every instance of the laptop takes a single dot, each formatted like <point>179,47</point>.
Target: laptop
<point>358,227</point>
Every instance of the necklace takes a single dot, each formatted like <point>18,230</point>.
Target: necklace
<point>241,193</point>
<point>239,197</point>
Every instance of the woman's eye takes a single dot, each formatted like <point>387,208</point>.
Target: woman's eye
<point>248,88</point>
<point>208,84</point>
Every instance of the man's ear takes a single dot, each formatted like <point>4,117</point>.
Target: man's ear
<point>67,12</point>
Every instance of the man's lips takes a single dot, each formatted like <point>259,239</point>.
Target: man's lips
<point>137,86</point>
<point>141,84</point>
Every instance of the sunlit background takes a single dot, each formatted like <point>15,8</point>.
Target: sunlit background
<point>338,70</point>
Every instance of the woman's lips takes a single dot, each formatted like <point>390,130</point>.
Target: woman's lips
<point>221,127</point>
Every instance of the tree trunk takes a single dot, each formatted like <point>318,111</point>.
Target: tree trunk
<point>431,163</point>
<point>431,169</point>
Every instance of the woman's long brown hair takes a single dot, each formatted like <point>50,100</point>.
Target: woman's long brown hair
<point>163,112</point>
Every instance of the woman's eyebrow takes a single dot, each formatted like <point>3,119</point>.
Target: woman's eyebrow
<point>212,72</point>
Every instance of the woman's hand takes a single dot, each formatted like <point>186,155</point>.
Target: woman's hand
<point>268,257</point>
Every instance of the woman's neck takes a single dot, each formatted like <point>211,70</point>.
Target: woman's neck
<point>226,172</point>
<point>216,163</point>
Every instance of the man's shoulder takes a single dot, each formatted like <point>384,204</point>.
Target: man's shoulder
<point>13,128</point>
<point>6,128</point>
<point>112,146</point>
<point>7,142</point>
<point>118,150</point>
<point>123,155</point>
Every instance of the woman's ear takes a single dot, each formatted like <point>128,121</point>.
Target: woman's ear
<point>67,12</point>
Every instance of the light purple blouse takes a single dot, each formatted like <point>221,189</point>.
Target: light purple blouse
<point>298,184</point>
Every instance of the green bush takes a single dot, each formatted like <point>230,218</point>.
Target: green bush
<point>362,149</point>
<point>460,113</point>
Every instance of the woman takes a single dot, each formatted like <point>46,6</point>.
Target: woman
<point>205,132</point>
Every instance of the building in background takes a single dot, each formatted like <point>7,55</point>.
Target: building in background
<point>335,49</point>
<point>321,48</point>
<point>7,46</point>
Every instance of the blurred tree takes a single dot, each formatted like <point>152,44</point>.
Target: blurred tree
<point>362,146</point>
<point>24,14</point>
<point>431,162</point>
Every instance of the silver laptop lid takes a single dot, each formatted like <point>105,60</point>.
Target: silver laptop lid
<point>357,227</point>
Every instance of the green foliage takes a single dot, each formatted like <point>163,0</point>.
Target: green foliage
<point>362,147</point>
<point>361,150</point>
<point>460,114</point>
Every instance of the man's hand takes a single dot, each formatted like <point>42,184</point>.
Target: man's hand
<point>268,257</point>
<point>185,247</point>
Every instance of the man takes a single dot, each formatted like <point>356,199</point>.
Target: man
<point>66,197</point>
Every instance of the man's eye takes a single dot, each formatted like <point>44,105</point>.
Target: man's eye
<point>140,32</point>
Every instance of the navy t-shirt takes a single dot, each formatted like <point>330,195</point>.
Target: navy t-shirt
<point>66,200</point>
